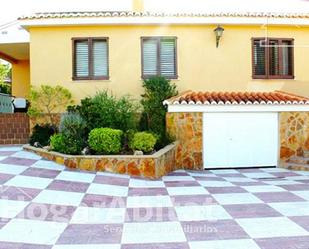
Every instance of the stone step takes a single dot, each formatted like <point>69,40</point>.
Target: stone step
<point>296,166</point>
<point>299,160</point>
<point>306,153</point>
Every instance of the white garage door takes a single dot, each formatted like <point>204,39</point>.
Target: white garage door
<point>240,139</point>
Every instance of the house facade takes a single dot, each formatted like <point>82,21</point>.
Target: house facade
<point>218,56</point>
<point>90,51</point>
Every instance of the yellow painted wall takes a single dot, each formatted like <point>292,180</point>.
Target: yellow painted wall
<point>21,78</point>
<point>201,66</point>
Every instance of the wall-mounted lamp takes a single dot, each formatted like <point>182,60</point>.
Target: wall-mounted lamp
<point>219,32</point>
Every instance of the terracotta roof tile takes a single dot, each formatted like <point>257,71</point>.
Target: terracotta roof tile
<point>237,98</point>
<point>49,15</point>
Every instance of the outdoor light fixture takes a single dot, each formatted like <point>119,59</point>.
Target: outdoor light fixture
<point>219,32</point>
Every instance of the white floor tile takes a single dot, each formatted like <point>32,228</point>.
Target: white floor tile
<point>236,198</point>
<point>11,169</point>
<point>224,244</point>
<point>149,201</point>
<point>257,175</point>
<point>215,184</point>
<point>291,208</point>
<point>152,232</point>
<point>9,208</point>
<point>297,178</point>
<point>32,231</point>
<point>274,170</point>
<point>76,176</point>
<point>26,154</point>
<point>302,194</point>
<point>113,175</point>
<point>305,173</point>
<point>282,182</point>
<point>271,227</point>
<point>196,213</point>
<point>87,246</point>
<point>29,182</point>
<point>239,179</point>
<point>59,198</point>
<point>104,189</point>
<point>10,148</point>
<point>139,183</point>
<point>202,174</point>
<point>224,171</point>
<point>187,191</point>
<point>263,188</point>
<point>177,178</point>
<point>48,165</point>
<point>89,215</point>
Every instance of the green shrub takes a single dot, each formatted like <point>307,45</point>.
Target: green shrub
<point>5,88</point>
<point>42,134</point>
<point>143,141</point>
<point>66,144</point>
<point>157,89</point>
<point>105,110</point>
<point>72,124</point>
<point>128,138</point>
<point>105,140</point>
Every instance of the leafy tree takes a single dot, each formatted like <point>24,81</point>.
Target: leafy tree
<point>4,73</point>
<point>157,89</point>
<point>48,100</point>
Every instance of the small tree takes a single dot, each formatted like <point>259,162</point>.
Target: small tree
<point>4,73</point>
<point>48,100</point>
<point>157,89</point>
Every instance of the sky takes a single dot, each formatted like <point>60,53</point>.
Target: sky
<point>12,9</point>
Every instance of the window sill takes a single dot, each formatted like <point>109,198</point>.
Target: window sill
<point>74,79</point>
<point>273,78</point>
<point>169,78</point>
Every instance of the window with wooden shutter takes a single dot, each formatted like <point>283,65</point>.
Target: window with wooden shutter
<point>272,58</point>
<point>90,59</point>
<point>159,57</point>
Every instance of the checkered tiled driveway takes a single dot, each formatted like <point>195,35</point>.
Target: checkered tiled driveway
<point>44,205</point>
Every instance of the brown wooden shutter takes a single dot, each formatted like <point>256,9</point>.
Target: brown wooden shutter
<point>287,58</point>
<point>167,57</point>
<point>259,58</point>
<point>150,57</point>
<point>100,58</point>
<point>81,59</point>
<point>274,57</point>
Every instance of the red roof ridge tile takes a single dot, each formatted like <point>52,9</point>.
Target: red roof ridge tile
<point>241,98</point>
<point>291,94</point>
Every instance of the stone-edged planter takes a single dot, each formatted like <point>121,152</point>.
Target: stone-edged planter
<point>148,166</point>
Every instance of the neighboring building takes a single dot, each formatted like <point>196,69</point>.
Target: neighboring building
<point>14,48</point>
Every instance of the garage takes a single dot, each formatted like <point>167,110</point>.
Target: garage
<point>240,139</point>
<point>236,129</point>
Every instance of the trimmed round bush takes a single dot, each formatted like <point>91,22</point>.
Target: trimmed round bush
<point>66,144</point>
<point>105,140</point>
<point>144,141</point>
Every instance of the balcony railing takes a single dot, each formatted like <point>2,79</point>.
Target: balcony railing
<point>6,105</point>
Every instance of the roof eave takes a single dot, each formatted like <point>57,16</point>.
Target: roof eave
<point>26,23</point>
<point>238,108</point>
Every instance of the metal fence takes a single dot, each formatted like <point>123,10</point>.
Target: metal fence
<point>6,105</point>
